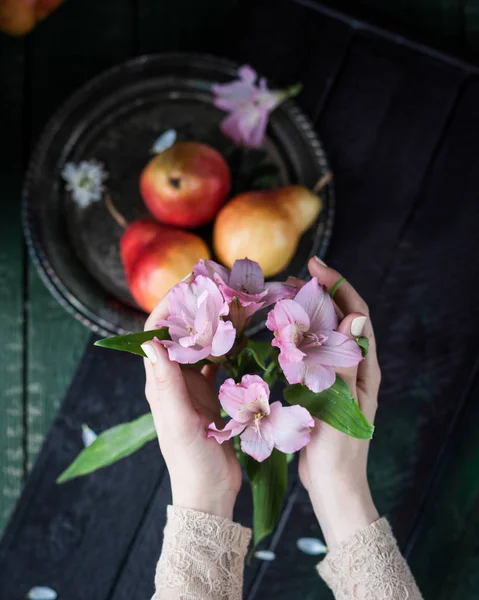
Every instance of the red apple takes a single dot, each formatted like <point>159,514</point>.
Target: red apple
<point>156,258</point>
<point>186,184</point>
<point>18,17</point>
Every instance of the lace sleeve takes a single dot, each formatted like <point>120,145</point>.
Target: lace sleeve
<point>202,557</point>
<point>369,566</point>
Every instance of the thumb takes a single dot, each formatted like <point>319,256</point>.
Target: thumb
<point>352,325</point>
<point>166,390</point>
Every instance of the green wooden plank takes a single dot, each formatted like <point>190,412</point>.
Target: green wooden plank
<point>56,342</point>
<point>184,25</point>
<point>73,45</point>
<point>11,276</point>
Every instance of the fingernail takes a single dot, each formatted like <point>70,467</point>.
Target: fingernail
<point>321,262</point>
<point>150,352</point>
<point>357,325</point>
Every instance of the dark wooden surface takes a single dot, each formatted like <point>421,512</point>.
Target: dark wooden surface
<point>402,131</point>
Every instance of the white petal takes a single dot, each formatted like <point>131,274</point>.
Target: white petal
<point>41,592</point>
<point>267,555</point>
<point>165,141</point>
<point>88,436</point>
<point>311,546</point>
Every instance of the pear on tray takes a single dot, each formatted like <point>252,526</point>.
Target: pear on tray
<point>265,226</point>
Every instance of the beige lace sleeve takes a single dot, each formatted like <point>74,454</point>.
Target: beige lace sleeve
<point>202,557</point>
<point>369,566</point>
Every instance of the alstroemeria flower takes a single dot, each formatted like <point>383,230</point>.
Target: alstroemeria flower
<point>195,323</point>
<point>249,106</point>
<point>310,348</point>
<point>261,426</point>
<point>244,288</point>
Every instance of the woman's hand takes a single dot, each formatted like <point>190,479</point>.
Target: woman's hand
<point>333,465</point>
<point>205,475</point>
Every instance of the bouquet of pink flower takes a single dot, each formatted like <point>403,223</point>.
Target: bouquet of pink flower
<point>208,315</point>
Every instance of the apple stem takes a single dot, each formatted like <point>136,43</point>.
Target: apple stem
<point>322,182</point>
<point>117,216</point>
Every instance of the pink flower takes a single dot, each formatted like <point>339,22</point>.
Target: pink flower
<point>195,323</point>
<point>249,106</point>
<point>310,348</point>
<point>260,425</point>
<point>244,288</point>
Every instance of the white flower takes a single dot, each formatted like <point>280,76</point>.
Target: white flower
<point>85,181</point>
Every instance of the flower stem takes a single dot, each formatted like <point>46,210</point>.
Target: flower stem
<point>117,216</point>
<point>322,182</point>
<point>293,90</point>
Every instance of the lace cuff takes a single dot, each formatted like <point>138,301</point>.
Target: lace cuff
<point>202,557</point>
<point>369,566</point>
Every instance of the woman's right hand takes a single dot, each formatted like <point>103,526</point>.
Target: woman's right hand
<point>333,465</point>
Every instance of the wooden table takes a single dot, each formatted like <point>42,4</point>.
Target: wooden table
<point>401,126</point>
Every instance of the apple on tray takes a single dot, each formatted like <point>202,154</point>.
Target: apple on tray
<point>156,258</point>
<point>186,184</point>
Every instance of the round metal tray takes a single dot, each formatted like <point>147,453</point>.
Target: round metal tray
<point>115,119</point>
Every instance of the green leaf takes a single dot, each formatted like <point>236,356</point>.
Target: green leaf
<point>334,289</point>
<point>111,446</point>
<point>132,342</point>
<point>363,343</point>
<point>268,481</point>
<point>271,374</point>
<point>254,352</point>
<point>334,406</point>
<point>263,351</point>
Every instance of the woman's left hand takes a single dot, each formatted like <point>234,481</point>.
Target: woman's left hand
<point>205,475</point>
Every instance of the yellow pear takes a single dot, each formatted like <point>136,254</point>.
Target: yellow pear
<point>265,226</point>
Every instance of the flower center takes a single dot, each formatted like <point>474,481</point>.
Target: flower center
<point>257,418</point>
<point>312,340</point>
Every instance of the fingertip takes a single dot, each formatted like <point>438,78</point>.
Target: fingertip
<point>353,325</point>
<point>150,350</point>
<point>357,325</point>
<point>326,276</point>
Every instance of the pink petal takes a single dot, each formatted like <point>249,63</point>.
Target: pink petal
<point>230,293</point>
<point>278,291</point>
<point>232,96</point>
<point>267,99</point>
<point>337,351</point>
<point>208,268</point>
<point>291,427</point>
<point>185,356</point>
<point>247,275</point>
<point>285,341</point>
<point>258,442</point>
<point>223,339</point>
<point>247,74</point>
<point>240,314</point>
<point>232,397</point>
<point>317,377</point>
<point>182,298</point>
<point>287,312</point>
<point>252,124</point>
<point>318,305</point>
<point>256,394</point>
<point>293,370</point>
<point>230,126</point>
<point>231,429</point>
